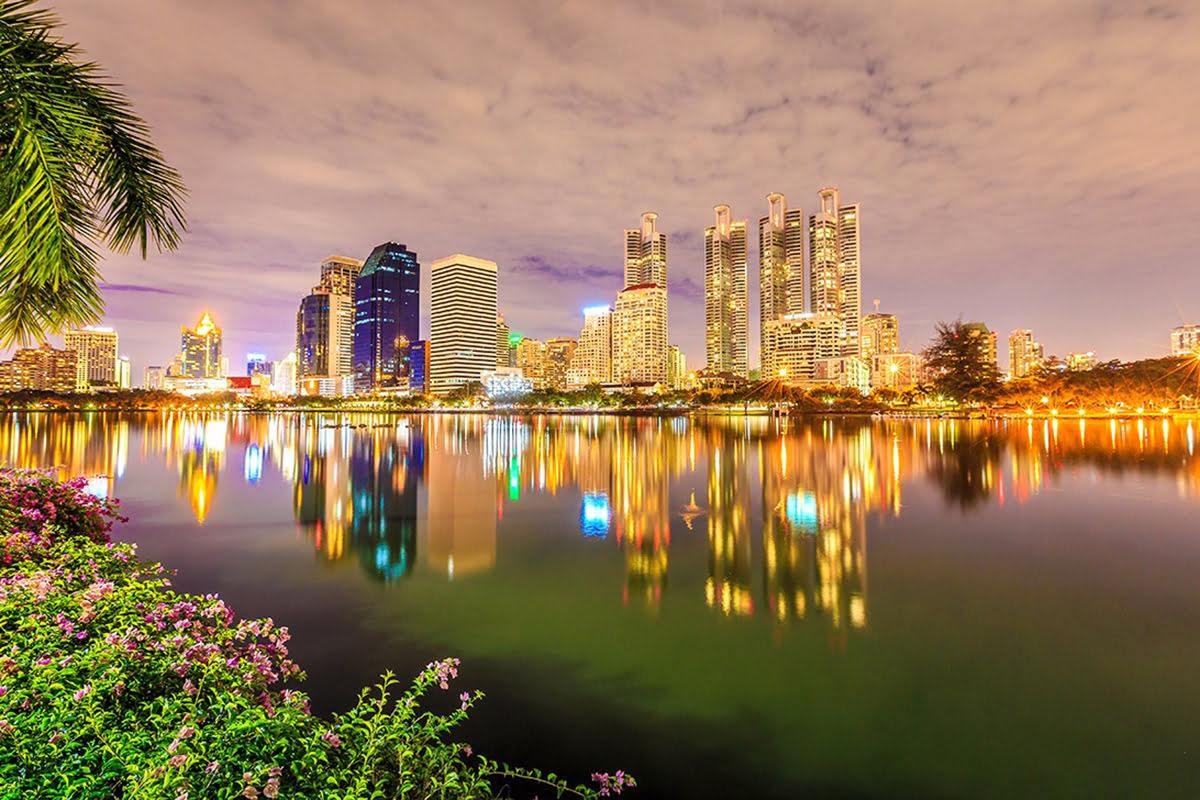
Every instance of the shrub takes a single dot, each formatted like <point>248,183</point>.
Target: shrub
<point>114,685</point>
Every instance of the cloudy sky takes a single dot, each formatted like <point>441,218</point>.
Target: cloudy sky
<point>1027,164</point>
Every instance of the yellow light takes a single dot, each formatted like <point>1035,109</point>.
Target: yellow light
<point>1045,399</point>
<point>1140,409</point>
<point>1081,412</point>
<point>1029,411</point>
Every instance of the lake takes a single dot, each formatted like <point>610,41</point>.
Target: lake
<point>725,607</point>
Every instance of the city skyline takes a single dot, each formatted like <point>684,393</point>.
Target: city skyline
<point>956,137</point>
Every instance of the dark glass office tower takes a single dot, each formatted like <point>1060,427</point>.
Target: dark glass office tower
<point>387,316</point>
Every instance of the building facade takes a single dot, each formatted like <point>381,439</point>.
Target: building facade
<point>95,355</point>
<point>639,335</point>
<point>339,274</point>
<point>154,378</point>
<point>592,359</point>
<point>725,324</point>
<point>835,266</point>
<point>462,335</point>
<point>780,269</point>
<point>677,375</point>
<point>880,335</point>
<point>418,362</point>
<point>560,351</point>
<point>531,361</point>
<point>798,341</point>
<point>324,333</point>
<point>1185,340</point>
<point>42,368</point>
<point>387,316</point>
<point>646,254</point>
<point>505,355</point>
<point>1024,354</point>
<point>896,371</point>
<point>200,349</point>
<point>985,339</point>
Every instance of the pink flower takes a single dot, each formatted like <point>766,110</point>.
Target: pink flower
<point>178,761</point>
<point>83,692</point>
<point>250,792</point>
<point>212,767</point>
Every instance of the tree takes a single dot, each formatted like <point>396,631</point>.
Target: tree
<point>77,170</point>
<point>957,358</point>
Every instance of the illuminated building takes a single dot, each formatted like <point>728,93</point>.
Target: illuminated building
<point>835,266</point>
<point>153,377</point>
<point>850,372</point>
<point>257,364</point>
<point>896,371</point>
<point>640,335</point>
<point>985,338</point>
<point>339,274</point>
<point>387,317</point>
<point>531,361</point>
<point>592,360</point>
<point>1185,340</point>
<point>418,362</point>
<point>200,350</point>
<point>726,334</point>
<point>284,375</point>
<point>1024,354</point>
<point>462,321</point>
<point>96,355</point>
<point>324,325</point>
<point>559,352</point>
<point>646,254</point>
<point>798,341</point>
<point>42,368</point>
<point>880,335</point>
<point>1079,362</point>
<point>677,376</point>
<point>780,269</point>
<point>505,356</point>
<point>124,373</point>
<point>506,384</point>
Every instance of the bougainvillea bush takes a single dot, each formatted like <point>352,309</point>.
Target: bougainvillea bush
<point>112,685</point>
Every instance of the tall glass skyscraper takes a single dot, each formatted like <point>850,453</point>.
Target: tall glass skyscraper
<point>387,316</point>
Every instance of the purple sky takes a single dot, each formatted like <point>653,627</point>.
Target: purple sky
<point>1034,165</point>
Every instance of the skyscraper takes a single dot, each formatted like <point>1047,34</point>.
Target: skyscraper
<point>324,333</point>
<point>835,265</point>
<point>559,352</point>
<point>462,335</point>
<point>1024,354</point>
<point>152,377</point>
<point>725,321</point>
<point>283,375</point>
<point>986,340</point>
<point>676,368</point>
<point>339,274</point>
<point>880,335</point>
<point>592,359</point>
<point>640,335</point>
<point>95,355</point>
<point>780,269</point>
<point>504,354</point>
<point>531,358</point>
<point>201,349</point>
<point>387,316</point>
<point>646,254</point>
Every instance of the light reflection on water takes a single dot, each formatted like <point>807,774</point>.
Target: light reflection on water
<point>757,523</point>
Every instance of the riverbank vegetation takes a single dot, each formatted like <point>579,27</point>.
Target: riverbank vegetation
<point>113,685</point>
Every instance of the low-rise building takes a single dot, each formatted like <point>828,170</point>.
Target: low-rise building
<point>43,368</point>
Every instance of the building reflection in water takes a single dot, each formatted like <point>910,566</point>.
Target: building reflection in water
<point>403,495</point>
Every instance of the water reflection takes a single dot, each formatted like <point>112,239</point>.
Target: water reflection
<point>781,508</point>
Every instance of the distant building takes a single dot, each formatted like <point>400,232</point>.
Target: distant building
<point>41,368</point>
<point>200,349</point>
<point>531,360</point>
<point>505,350</point>
<point>124,373</point>
<point>798,341</point>
<point>1024,354</point>
<point>96,356</point>
<point>1080,362</point>
<point>559,353</point>
<point>257,364</point>
<point>646,254</point>
<point>462,334</point>
<point>639,335</point>
<point>1185,340</point>
<point>725,303</point>
<point>880,335</point>
<point>986,340</point>
<point>387,316</point>
<point>152,377</point>
<point>324,323</point>
<point>505,384</point>
<point>847,371</point>
<point>593,357</point>
<point>780,269</point>
<point>418,367</point>
<point>339,274</point>
<point>677,375</point>
<point>284,374</point>
<point>835,266</point>
<point>896,371</point>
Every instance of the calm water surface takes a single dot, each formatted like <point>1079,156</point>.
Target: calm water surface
<point>726,608</point>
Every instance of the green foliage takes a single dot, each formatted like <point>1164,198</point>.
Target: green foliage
<point>77,170</point>
<point>961,369</point>
<point>112,685</point>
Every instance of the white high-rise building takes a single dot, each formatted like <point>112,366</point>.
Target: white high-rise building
<point>725,324</point>
<point>640,335</point>
<point>1185,340</point>
<point>798,341</point>
<point>283,375</point>
<point>95,355</point>
<point>1024,354</point>
<point>835,266</point>
<point>592,360</point>
<point>780,269</point>
<point>646,254</point>
<point>462,329</point>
